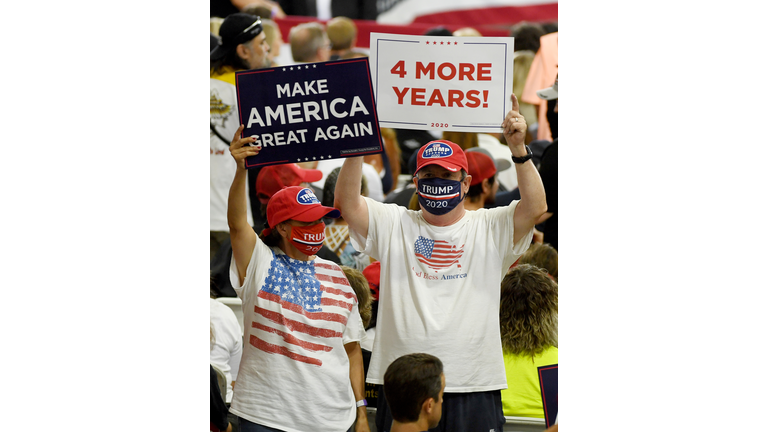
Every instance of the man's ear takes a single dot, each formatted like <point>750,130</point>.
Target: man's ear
<point>466,183</point>
<point>242,51</point>
<point>428,406</point>
<point>486,186</point>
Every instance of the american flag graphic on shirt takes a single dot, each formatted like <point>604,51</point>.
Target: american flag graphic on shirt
<point>308,303</point>
<point>437,254</point>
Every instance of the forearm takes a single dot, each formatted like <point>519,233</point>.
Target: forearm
<point>357,380</point>
<point>347,196</point>
<point>533,201</point>
<point>237,203</point>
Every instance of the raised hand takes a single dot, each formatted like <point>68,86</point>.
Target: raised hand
<point>514,126</point>
<point>239,150</point>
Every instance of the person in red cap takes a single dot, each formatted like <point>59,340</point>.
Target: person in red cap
<point>275,177</point>
<point>484,184</point>
<point>441,271</point>
<point>302,367</point>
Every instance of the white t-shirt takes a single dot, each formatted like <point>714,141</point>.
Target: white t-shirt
<point>294,374</point>
<point>225,119</point>
<point>228,348</point>
<point>440,289</point>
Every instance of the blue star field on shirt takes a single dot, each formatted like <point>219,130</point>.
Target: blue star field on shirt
<point>301,304</point>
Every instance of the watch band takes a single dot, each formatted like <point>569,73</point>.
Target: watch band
<point>362,402</point>
<point>524,159</point>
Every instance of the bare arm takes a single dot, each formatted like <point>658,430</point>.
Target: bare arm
<point>357,378</point>
<point>348,200</point>
<point>533,202</point>
<point>242,235</point>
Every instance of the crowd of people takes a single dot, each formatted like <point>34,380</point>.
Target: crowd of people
<point>426,274</point>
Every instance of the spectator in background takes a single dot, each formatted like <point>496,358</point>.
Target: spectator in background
<point>549,27</point>
<point>228,346</point>
<point>224,8</point>
<point>337,231</point>
<point>274,40</point>
<point>543,256</point>
<point>467,31</point>
<point>387,163</point>
<point>265,9</point>
<point>243,46</point>
<point>414,386</point>
<point>542,73</point>
<point>342,32</point>
<point>528,317</point>
<point>438,31</point>
<point>309,43</point>
<point>484,185</point>
<point>527,44</point>
<point>360,284</point>
<point>218,410</point>
<point>548,169</point>
<point>325,10</point>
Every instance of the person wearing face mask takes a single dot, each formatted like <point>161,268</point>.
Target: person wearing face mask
<point>441,272</point>
<point>302,367</point>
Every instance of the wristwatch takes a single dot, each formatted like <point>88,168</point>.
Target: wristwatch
<point>524,159</point>
<point>362,402</point>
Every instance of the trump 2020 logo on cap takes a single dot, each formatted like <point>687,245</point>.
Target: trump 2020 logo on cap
<point>307,197</point>
<point>437,150</point>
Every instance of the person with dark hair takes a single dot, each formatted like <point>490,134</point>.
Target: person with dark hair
<point>302,367</point>
<point>527,36</point>
<point>414,386</point>
<point>485,183</point>
<point>528,319</point>
<point>441,270</point>
<point>438,31</point>
<point>243,46</point>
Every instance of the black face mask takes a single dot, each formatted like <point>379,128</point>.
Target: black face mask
<point>439,196</point>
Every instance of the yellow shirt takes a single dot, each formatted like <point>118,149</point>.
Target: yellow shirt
<point>522,398</point>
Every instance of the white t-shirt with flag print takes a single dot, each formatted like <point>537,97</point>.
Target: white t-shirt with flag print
<point>439,291</point>
<point>298,315</point>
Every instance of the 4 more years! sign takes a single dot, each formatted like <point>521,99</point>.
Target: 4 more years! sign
<point>458,84</point>
<point>309,112</point>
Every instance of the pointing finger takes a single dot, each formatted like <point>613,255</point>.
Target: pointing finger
<point>515,103</point>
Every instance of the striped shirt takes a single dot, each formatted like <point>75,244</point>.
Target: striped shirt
<point>298,315</point>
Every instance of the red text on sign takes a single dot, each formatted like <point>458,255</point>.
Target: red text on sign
<point>437,97</point>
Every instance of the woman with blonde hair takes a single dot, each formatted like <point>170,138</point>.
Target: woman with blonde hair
<point>528,319</point>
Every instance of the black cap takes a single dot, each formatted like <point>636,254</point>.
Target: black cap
<point>237,28</point>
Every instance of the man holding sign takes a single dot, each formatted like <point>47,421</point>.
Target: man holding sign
<point>441,269</point>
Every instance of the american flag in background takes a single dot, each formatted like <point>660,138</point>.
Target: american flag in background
<point>437,254</point>
<point>306,307</point>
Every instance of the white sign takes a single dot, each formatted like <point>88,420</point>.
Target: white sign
<point>458,84</point>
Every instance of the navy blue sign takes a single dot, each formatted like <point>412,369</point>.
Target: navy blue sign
<point>309,112</point>
<point>548,384</point>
